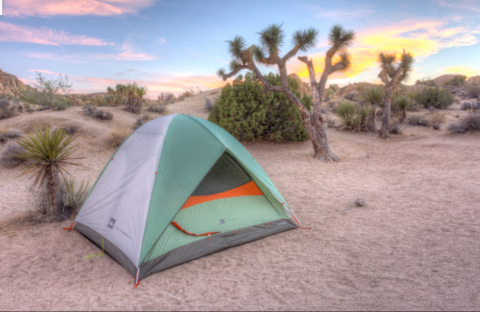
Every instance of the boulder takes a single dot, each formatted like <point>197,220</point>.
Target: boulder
<point>473,80</point>
<point>10,84</point>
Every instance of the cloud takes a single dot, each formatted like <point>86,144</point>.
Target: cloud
<point>161,41</point>
<point>19,33</point>
<point>421,38</point>
<point>343,13</point>
<point>468,5</point>
<point>23,8</point>
<point>127,53</point>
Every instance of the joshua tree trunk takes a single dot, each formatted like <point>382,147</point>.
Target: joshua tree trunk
<point>315,128</point>
<point>312,122</point>
<point>52,190</point>
<point>386,114</point>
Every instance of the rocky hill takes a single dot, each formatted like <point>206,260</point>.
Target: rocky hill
<point>10,84</point>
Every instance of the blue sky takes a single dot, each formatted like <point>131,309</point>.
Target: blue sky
<point>171,45</point>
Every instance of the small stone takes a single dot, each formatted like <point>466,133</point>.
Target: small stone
<point>360,202</point>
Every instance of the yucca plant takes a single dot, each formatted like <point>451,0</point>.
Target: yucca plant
<point>135,94</point>
<point>402,103</point>
<point>354,117</point>
<point>74,197</point>
<point>374,96</point>
<point>51,152</point>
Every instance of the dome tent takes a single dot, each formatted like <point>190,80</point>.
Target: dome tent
<point>179,188</point>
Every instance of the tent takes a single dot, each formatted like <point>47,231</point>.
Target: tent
<point>179,188</point>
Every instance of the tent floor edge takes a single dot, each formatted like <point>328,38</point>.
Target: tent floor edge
<point>113,251</point>
<point>217,242</point>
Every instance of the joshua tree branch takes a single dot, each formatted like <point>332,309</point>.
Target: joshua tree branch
<point>337,67</point>
<point>233,73</point>
<point>311,73</point>
<point>291,53</point>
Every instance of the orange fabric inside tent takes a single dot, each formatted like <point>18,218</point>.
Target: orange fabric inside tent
<point>249,189</point>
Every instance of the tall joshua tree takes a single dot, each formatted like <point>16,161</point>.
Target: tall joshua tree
<point>392,74</point>
<point>339,39</point>
<point>271,39</point>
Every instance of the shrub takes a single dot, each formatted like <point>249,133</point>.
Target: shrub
<point>159,109</point>
<point>474,90</point>
<point>470,105</point>
<point>13,133</point>
<point>354,117</point>
<point>437,120</point>
<point>9,155</point>
<point>417,120</point>
<point>395,127</point>
<point>60,103</point>
<point>435,97</point>
<point>28,107</point>
<point>249,112</point>
<point>456,81</point>
<point>6,111</point>
<point>93,111</point>
<point>427,81</point>
<point>71,129</point>
<point>166,98</point>
<point>468,123</point>
<point>73,197</point>
<point>209,104</point>
<point>141,121</point>
<point>117,137</point>
<point>350,96</point>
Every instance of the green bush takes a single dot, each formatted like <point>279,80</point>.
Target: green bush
<point>435,97</point>
<point>354,117</point>
<point>456,81</point>
<point>249,112</point>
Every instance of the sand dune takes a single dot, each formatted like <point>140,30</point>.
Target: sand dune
<point>413,246</point>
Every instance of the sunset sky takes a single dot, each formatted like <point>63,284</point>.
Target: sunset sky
<point>169,45</point>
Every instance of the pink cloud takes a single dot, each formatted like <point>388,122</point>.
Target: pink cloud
<point>128,54</point>
<point>22,8</point>
<point>19,33</point>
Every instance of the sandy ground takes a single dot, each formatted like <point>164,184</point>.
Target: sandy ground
<point>413,246</point>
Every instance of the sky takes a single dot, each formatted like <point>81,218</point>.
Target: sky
<point>170,45</point>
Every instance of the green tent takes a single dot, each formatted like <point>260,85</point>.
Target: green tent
<point>179,188</point>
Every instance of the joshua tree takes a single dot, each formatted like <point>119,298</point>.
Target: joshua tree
<point>392,75</point>
<point>271,39</point>
<point>340,39</point>
<point>50,153</point>
<point>374,96</point>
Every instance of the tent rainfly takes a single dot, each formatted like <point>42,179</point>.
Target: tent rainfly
<point>179,188</point>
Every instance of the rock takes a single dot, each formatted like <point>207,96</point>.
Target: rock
<point>473,80</point>
<point>303,87</point>
<point>360,202</point>
<point>10,84</point>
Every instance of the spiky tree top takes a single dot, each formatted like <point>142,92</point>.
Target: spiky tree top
<point>268,52</point>
<point>394,72</point>
<point>339,39</point>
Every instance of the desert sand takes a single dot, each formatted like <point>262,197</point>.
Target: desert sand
<point>413,246</point>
